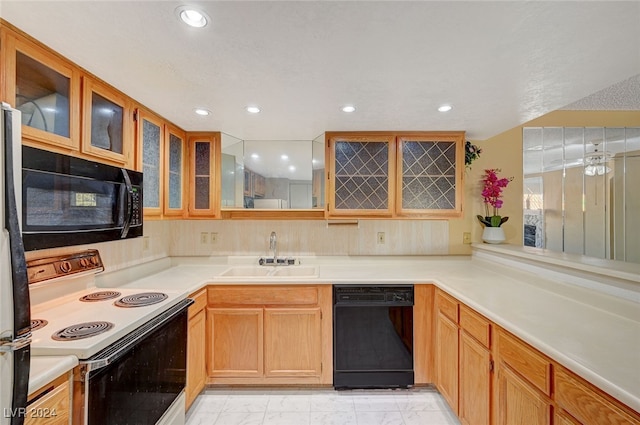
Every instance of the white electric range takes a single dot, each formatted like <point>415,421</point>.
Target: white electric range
<point>131,343</point>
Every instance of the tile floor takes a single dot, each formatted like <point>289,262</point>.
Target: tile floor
<point>320,407</point>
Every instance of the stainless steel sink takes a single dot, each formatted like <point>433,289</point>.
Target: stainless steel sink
<point>246,272</point>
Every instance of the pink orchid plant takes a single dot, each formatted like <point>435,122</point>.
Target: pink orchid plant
<point>491,194</point>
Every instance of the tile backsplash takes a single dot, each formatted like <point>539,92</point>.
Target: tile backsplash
<point>251,237</point>
<point>309,237</point>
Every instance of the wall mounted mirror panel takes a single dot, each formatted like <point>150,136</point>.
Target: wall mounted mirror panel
<point>272,174</point>
<point>580,191</point>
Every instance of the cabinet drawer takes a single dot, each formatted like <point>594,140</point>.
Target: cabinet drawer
<point>528,362</point>
<point>447,305</point>
<point>475,325</point>
<point>52,408</point>
<point>587,404</point>
<point>262,295</point>
<point>199,302</point>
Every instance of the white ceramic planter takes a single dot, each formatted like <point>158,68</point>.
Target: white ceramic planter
<point>493,235</point>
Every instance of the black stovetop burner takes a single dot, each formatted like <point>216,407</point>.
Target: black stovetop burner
<point>100,296</point>
<point>82,331</point>
<point>38,324</point>
<point>142,299</point>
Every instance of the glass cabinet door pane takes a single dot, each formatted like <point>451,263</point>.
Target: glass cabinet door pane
<point>42,94</point>
<point>428,175</point>
<point>203,175</point>
<point>106,124</point>
<point>175,171</point>
<point>151,163</point>
<point>362,175</point>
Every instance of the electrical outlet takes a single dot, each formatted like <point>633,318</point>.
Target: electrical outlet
<point>466,237</point>
<point>380,237</point>
<point>145,243</point>
<point>204,237</point>
<point>214,237</point>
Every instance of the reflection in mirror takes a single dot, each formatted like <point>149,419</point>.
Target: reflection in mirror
<point>318,178</point>
<point>580,191</point>
<point>271,174</point>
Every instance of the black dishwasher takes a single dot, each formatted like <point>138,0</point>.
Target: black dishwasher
<point>372,336</point>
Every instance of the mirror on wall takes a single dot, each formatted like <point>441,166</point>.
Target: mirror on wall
<point>580,191</point>
<point>272,174</point>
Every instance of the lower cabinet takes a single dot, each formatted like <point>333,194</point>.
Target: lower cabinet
<point>446,357</point>
<point>475,381</point>
<point>196,336</point>
<point>518,402</point>
<point>51,404</point>
<point>269,335</point>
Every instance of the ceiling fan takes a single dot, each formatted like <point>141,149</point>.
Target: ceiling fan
<point>595,163</point>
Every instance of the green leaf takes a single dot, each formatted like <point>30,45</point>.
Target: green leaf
<point>484,220</point>
<point>496,221</point>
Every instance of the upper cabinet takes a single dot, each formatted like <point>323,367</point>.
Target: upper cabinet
<point>106,123</point>
<point>395,174</point>
<point>175,175</point>
<point>150,160</point>
<point>45,88</point>
<point>361,175</point>
<point>430,169</point>
<point>204,174</point>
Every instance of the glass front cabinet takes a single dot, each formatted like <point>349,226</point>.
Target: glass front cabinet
<point>46,89</point>
<point>204,175</point>
<point>106,124</point>
<point>175,204</point>
<point>395,174</point>
<point>150,161</point>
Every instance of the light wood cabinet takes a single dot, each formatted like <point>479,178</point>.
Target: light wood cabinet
<point>269,335</point>
<point>474,402</point>
<point>587,404</point>
<point>196,347</point>
<point>107,123</point>
<point>151,149</point>
<point>430,170</point>
<point>519,402</point>
<point>204,174</point>
<point>50,405</point>
<point>361,169</point>
<point>175,176</point>
<point>395,174</point>
<point>235,342</point>
<point>46,88</point>
<point>446,351</point>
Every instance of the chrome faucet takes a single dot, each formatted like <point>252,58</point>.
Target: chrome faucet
<point>273,246</point>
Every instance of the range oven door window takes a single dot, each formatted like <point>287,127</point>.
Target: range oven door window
<point>141,385</point>
<point>373,336</point>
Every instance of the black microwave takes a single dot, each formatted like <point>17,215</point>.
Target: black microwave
<point>71,201</point>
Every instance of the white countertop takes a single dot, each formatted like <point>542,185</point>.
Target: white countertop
<point>45,369</point>
<point>594,334</point>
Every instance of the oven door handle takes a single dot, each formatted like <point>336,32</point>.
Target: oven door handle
<point>123,345</point>
<point>129,211</point>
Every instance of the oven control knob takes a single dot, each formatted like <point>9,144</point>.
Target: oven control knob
<point>84,263</point>
<point>65,267</point>
<point>94,261</point>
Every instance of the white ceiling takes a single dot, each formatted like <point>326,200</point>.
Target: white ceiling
<point>499,64</point>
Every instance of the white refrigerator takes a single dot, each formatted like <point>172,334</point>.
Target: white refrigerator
<point>15,320</point>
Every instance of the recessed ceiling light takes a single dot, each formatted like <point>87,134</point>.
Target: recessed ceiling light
<point>192,17</point>
<point>348,108</point>
<point>445,108</point>
<point>253,109</point>
<point>292,168</point>
<point>284,157</point>
<point>255,156</point>
<point>202,111</point>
